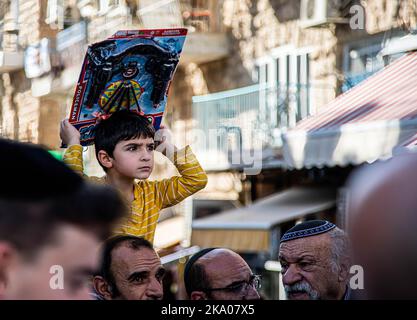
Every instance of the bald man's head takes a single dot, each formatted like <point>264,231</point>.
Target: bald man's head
<point>218,253</point>
<point>221,274</point>
<point>383,223</point>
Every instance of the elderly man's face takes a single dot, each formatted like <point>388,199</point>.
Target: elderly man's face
<point>307,269</point>
<point>229,271</point>
<point>137,274</point>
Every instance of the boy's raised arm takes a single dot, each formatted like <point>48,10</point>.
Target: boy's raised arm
<point>192,178</point>
<point>73,156</point>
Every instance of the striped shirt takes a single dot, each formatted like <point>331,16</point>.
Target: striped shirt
<point>152,196</point>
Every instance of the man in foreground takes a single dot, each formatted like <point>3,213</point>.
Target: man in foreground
<point>51,225</point>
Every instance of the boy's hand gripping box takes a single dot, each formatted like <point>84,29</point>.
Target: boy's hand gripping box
<point>130,70</point>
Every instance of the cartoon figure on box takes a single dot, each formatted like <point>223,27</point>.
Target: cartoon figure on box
<point>130,70</point>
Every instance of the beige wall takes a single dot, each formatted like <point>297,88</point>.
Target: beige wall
<point>25,117</point>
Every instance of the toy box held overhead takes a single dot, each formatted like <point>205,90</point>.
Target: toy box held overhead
<point>130,70</point>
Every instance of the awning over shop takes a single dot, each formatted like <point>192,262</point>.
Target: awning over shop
<point>362,125</point>
<point>252,228</point>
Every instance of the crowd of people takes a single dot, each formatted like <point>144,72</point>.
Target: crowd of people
<point>100,231</point>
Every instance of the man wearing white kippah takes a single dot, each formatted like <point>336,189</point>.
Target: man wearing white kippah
<point>315,261</point>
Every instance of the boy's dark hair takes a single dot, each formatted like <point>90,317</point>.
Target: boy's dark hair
<point>121,126</point>
<point>38,194</point>
<point>132,242</point>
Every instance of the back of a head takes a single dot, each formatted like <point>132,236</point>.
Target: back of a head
<point>46,194</point>
<point>31,173</point>
<point>382,223</point>
<point>96,208</point>
<point>195,277</point>
<point>120,126</point>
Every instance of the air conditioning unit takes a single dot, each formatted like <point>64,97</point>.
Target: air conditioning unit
<point>315,13</point>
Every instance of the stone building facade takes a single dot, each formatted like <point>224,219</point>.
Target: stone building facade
<point>339,55</point>
<point>24,116</point>
<point>252,28</point>
<point>229,44</point>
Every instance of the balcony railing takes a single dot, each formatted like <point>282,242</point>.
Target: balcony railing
<point>71,44</point>
<point>197,16</point>
<point>106,23</point>
<point>202,16</point>
<point>251,118</point>
<point>206,41</point>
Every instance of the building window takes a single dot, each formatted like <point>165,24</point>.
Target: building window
<point>360,62</point>
<point>363,58</point>
<point>284,74</point>
<point>105,5</point>
<point>55,14</point>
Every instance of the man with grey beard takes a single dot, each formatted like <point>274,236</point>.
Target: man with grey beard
<point>315,261</point>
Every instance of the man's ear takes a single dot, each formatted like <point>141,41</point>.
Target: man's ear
<point>198,295</point>
<point>102,287</point>
<point>344,270</point>
<point>6,256</point>
<point>104,159</point>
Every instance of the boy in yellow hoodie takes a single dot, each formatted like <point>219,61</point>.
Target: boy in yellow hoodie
<point>125,147</point>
